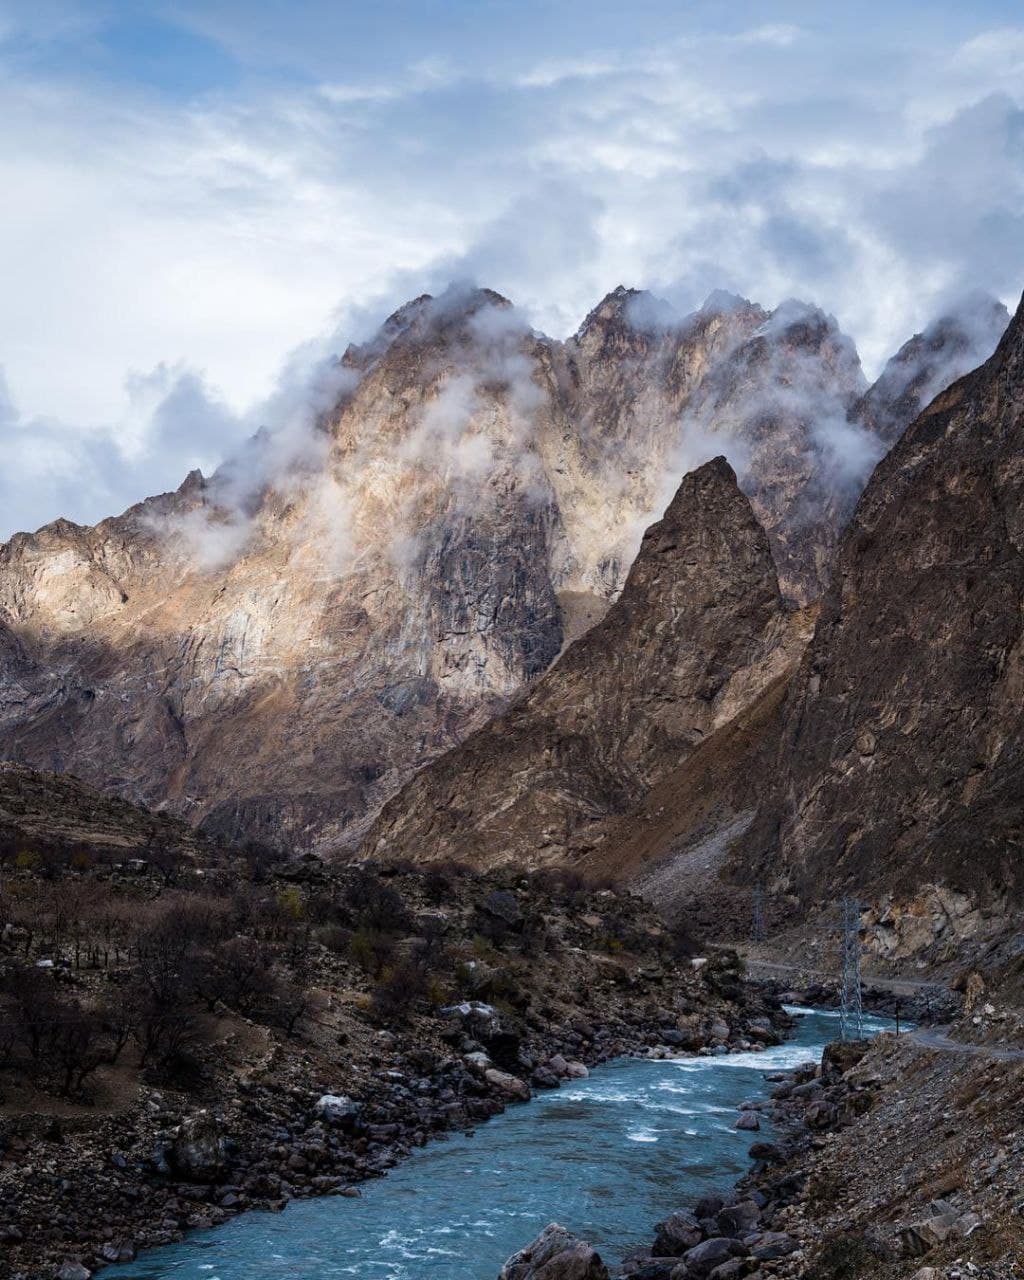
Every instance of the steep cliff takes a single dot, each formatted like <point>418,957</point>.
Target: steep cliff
<point>699,630</point>
<point>274,650</point>
<point>900,754</point>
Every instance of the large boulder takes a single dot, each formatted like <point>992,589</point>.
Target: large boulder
<point>511,1086</point>
<point>735,1219</point>
<point>770,1245</point>
<point>680,1231</point>
<point>556,1254</point>
<point>336,1109</point>
<point>708,1206</point>
<point>118,1251</point>
<point>841,1056</point>
<point>656,1269</point>
<point>702,1260</point>
<point>504,906</point>
<point>199,1151</point>
<point>820,1115</point>
<point>766,1153</point>
<point>730,1270</point>
<point>73,1270</point>
<point>921,1237</point>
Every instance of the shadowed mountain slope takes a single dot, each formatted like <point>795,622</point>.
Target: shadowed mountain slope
<point>894,761</point>
<point>699,630</point>
<point>900,755</point>
<point>47,815</point>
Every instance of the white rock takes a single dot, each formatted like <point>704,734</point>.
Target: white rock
<point>335,1107</point>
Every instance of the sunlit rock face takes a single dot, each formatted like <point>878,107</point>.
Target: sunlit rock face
<point>274,650</point>
<point>699,631</point>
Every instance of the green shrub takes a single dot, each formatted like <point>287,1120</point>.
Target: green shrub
<point>397,991</point>
<point>371,949</point>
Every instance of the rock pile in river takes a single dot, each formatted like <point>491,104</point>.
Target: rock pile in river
<point>556,1254</point>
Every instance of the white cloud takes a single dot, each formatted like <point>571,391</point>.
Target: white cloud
<point>993,54</point>
<point>212,233</point>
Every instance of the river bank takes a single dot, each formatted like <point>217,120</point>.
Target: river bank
<point>909,1162</point>
<point>273,1118</point>
<point>893,1158</point>
<point>610,1153</point>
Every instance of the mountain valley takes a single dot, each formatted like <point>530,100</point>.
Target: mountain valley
<point>435,749</point>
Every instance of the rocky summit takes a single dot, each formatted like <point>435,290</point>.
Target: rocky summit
<point>273,651</point>
<point>698,632</point>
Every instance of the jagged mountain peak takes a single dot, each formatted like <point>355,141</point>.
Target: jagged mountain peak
<point>641,314</point>
<point>612,307</point>
<point>699,629</point>
<point>623,318</point>
<point>976,310</point>
<point>802,326</point>
<point>698,498</point>
<point>961,338</point>
<point>360,587</point>
<point>457,305</point>
<point>459,315</point>
<point>722,302</point>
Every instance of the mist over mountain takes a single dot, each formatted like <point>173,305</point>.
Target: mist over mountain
<point>900,749</point>
<point>433,515</point>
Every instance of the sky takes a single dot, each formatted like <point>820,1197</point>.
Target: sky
<point>201,195</point>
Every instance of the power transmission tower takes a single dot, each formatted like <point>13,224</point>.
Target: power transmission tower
<point>758,924</point>
<point>851,1009</point>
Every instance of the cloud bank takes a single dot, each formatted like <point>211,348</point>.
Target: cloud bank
<point>197,220</point>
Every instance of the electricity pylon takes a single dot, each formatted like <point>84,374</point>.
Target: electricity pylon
<point>851,1008</point>
<point>758,923</point>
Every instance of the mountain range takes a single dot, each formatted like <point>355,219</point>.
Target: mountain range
<point>272,652</point>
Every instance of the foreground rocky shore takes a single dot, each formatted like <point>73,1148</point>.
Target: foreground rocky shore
<point>271,1116</point>
<point>892,1159</point>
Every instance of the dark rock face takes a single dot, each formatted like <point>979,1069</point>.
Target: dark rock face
<point>699,629</point>
<point>902,744</point>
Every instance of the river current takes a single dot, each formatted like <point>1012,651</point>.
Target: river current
<point>607,1157</point>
